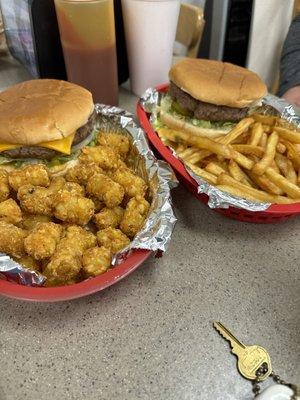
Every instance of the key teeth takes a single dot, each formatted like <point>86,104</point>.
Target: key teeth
<point>223,334</point>
<point>216,326</point>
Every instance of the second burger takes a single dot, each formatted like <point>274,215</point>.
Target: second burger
<point>207,97</point>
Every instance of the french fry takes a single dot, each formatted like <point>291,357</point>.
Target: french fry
<point>249,149</point>
<point>293,154</point>
<point>288,134</point>
<point>194,157</point>
<point>265,119</point>
<point>180,148</point>
<point>197,141</point>
<point>269,155</point>
<point>267,128</point>
<point>238,130</point>
<point>165,133</point>
<point>236,192</point>
<point>200,155</point>
<point>206,150</point>
<point>168,143</point>
<point>243,138</point>
<point>297,147</point>
<point>264,183</point>
<point>187,152</point>
<point>281,148</point>
<point>286,168</point>
<point>208,144</point>
<point>256,134</point>
<point>275,166</point>
<point>256,160</point>
<point>241,159</point>
<point>210,178</point>
<point>227,180</point>
<point>214,168</point>
<point>288,187</point>
<point>237,173</point>
<point>263,140</point>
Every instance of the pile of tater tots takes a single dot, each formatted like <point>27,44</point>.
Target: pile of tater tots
<point>68,227</point>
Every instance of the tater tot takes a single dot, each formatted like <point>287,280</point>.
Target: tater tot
<point>73,209</point>
<point>4,185</point>
<point>132,184</point>
<point>96,261</point>
<point>99,205</point>
<point>82,172</point>
<point>118,142</point>
<point>42,240</point>
<point>79,238</point>
<point>30,221</point>
<point>30,263</point>
<point>105,157</point>
<point>65,264</point>
<point>36,175</point>
<point>12,240</point>
<point>106,190</point>
<point>134,216</point>
<point>74,188</point>
<point>112,239</point>
<point>59,183</point>
<point>59,281</point>
<point>35,200</point>
<point>10,212</point>
<point>108,217</point>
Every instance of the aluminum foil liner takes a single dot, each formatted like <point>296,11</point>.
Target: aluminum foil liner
<point>158,228</point>
<point>216,198</point>
<point>13,271</point>
<point>156,233</point>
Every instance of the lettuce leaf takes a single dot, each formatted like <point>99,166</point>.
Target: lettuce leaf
<point>91,141</point>
<point>167,105</point>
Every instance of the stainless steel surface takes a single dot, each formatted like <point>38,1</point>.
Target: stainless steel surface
<point>150,336</point>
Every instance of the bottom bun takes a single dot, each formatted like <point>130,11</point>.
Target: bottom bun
<point>181,125</point>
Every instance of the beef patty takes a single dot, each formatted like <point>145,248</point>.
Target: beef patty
<point>206,111</point>
<point>47,154</point>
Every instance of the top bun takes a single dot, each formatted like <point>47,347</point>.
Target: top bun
<point>217,82</point>
<point>42,110</point>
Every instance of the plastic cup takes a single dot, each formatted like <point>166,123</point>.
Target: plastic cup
<point>87,32</point>
<point>150,29</point>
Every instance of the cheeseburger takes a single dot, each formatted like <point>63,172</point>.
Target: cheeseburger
<point>208,97</point>
<point>45,120</point>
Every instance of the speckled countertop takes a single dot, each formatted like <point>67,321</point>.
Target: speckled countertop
<point>150,336</point>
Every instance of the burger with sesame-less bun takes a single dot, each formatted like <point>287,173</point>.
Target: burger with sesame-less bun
<point>45,120</point>
<point>207,97</point>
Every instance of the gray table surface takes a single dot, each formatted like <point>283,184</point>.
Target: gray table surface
<point>150,336</point>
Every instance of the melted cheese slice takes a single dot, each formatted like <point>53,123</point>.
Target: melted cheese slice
<point>62,145</point>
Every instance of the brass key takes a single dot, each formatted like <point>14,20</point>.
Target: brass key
<point>250,358</point>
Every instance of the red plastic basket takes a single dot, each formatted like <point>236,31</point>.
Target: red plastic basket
<point>89,286</point>
<point>275,213</point>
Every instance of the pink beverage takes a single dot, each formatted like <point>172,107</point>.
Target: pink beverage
<point>150,29</point>
<point>87,31</point>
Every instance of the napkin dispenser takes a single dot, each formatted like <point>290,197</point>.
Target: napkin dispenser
<point>32,35</point>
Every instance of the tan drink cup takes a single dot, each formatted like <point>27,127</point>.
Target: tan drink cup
<point>87,31</point>
<point>150,29</point>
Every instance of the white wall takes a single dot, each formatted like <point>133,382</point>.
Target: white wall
<point>270,22</point>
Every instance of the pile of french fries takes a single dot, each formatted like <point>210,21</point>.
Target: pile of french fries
<point>259,159</point>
